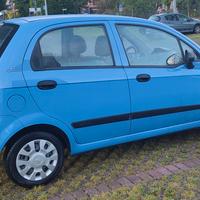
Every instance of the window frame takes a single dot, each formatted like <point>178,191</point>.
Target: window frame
<point>77,67</point>
<point>195,51</point>
<point>159,29</point>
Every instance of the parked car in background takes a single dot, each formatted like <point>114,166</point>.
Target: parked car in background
<point>83,82</point>
<point>179,22</point>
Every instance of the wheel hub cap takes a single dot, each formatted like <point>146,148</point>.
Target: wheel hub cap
<point>36,160</point>
<point>197,29</point>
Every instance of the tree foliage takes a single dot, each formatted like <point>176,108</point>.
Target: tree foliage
<point>72,6</point>
<point>23,7</point>
<point>106,6</point>
<point>2,4</point>
<point>191,7</point>
<point>145,8</point>
<point>138,8</point>
<point>54,7</point>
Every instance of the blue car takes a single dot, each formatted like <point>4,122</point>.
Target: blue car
<point>81,82</point>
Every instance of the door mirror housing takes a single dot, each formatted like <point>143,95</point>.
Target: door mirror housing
<point>174,59</point>
<point>189,59</point>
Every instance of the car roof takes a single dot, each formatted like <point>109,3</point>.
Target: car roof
<point>51,19</point>
<point>165,14</point>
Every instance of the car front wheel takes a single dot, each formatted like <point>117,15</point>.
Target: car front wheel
<point>36,158</point>
<point>197,29</point>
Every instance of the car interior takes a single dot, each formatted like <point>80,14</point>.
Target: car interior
<point>76,52</point>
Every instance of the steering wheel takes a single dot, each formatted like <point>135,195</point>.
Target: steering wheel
<point>160,50</point>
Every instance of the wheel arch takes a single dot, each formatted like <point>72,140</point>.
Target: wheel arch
<point>60,134</point>
<point>197,24</point>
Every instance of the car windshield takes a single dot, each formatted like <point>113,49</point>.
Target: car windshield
<point>7,31</point>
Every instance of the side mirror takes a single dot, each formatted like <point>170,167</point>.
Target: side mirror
<point>189,59</point>
<point>174,60</point>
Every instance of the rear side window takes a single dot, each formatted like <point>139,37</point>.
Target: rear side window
<point>77,47</point>
<point>7,31</point>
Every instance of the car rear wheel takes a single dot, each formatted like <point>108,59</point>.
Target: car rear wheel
<point>35,159</point>
<point>197,29</point>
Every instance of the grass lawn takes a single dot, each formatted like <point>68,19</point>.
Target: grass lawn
<point>90,169</point>
<point>195,37</point>
<point>181,186</point>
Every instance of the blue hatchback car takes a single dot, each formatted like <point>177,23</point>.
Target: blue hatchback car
<point>86,82</point>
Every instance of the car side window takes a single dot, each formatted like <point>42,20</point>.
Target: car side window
<point>81,46</point>
<point>148,47</point>
<point>171,18</point>
<point>190,50</point>
<point>183,18</point>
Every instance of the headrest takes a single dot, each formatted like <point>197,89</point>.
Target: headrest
<point>77,45</point>
<point>102,47</point>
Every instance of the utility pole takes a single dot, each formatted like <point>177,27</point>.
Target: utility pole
<point>45,7</point>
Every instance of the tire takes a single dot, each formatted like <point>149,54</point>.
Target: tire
<point>197,29</point>
<point>34,159</point>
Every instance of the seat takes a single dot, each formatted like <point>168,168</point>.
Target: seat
<point>103,51</point>
<point>77,46</point>
<point>102,48</point>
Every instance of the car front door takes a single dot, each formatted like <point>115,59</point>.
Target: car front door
<point>186,24</point>
<point>162,87</point>
<point>75,75</point>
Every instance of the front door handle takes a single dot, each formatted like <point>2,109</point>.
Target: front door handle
<point>47,85</point>
<point>143,78</point>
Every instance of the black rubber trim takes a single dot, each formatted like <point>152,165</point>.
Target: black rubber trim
<point>99,121</point>
<point>136,115</point>
<point>9,38</point>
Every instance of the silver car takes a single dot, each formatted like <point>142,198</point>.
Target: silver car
<point>179,22</point>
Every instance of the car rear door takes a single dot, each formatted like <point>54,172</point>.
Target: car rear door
<point>75,75</point>
<point>173,21</point>
<point>161,89</point>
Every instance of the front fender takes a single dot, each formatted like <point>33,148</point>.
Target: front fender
<point>10,125</point>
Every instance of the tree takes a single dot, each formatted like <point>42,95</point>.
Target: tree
<point>140,8</point>
<point>72,6</point>
<point>23,7</point>
<point>191,7</point>
<point>54,7</point>
<point>167,3</point>
<point>106,6</point>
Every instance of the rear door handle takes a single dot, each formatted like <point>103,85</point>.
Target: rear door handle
<point>143,78</point>
<point>47,85</point>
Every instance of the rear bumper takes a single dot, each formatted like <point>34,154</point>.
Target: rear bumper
<point>8,126</point>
